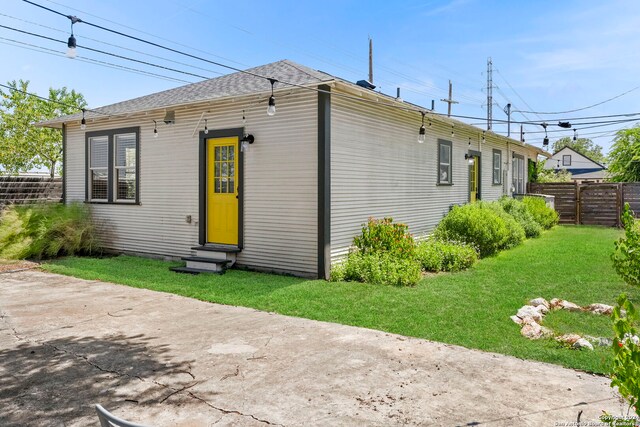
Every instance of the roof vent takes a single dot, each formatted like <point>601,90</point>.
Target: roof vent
<point>366,84</point>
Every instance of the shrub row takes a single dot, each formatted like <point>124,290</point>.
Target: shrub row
<point>46,231</point>
<point>386,253</point>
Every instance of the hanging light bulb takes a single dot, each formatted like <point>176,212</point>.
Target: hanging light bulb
<point>483,137</point>
<point>206,129</point>
<point>83,122</point>
<point>452,133</point>
<point>545,141</point>
<point>422,132</point>
<point>71,43</point>
<point>244,119</point>
<point>575,135</point>
<point>469,141</point>
<point>271,109</point>
<point>155,129</point>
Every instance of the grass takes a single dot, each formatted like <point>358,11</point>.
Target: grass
<point>469,308</point>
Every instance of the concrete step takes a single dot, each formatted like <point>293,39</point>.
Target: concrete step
<point>217,252</point>
<point>188,270</point>
<point>215,265</point>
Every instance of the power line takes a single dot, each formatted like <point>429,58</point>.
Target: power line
<point>410,107</point>
<point>587,107</point>
<point>41,49</point>
<point>52,100</point>
<point>116,46</point>
<point>106,53</point>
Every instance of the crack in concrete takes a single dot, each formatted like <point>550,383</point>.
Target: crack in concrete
<point>230,411</point>
<point>122,374</point>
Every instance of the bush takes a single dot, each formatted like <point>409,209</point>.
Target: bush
<point>383,235</point>
<point>542,214</point>
<point>46,231</point>
<point>484,225</point>
<point>626,257</point>
<point>379,268</point>
<point>436,255</point>
<point>518,210</point>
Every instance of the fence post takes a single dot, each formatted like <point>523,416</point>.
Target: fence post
<point>577,199</point>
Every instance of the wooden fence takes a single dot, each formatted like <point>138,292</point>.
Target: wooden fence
<point>20,190</point>
<point>591,203</point>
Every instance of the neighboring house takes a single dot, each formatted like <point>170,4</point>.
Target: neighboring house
<point>334,154</point>
<point>581,167</point>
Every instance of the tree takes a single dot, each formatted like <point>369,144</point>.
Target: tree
<point>550,175</point>
<point>624,157</point>
<point>584,146</point>
<point>24,146</point>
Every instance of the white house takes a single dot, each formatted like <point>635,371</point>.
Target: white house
<point>333,154</point>
<point>581,167</point>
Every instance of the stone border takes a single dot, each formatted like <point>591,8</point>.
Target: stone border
<point>529,318</point>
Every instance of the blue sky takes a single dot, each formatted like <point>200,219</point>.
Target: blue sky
<point>548,56</point>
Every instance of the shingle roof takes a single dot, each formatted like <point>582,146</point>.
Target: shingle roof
<point>234,84</point>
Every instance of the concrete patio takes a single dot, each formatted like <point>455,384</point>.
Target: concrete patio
<point>165,360</point>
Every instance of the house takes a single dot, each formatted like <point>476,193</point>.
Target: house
<point>203,172</point>
<point>581,167</point>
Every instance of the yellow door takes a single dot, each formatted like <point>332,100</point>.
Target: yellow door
<point>473,179</point>
<point>222,190</point>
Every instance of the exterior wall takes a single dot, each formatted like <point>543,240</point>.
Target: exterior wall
<point>578,161</point>
<point>379,169</point>
<point>280,182</point>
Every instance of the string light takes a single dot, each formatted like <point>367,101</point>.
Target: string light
<point>83,122</point>
<point>452,133</point>
<point>244,119</point>
<point>206,129</point>
<point>155,129</point>
<point>271,109</point>
<point>575,135</point>
<point>71,43</point>
<point>422,132</point>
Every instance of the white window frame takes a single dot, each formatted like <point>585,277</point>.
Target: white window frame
<point>117,169</point>
<point>497,167</point>
<point>449,145</point>
<point>94,169</point>
<point>564,162</point>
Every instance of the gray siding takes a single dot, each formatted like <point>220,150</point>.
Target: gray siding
<point>280,185</point>
<point>379,169</point>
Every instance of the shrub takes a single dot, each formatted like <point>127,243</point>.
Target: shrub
<point>378,268</point>
<point>626,257</point>
<point>436,255</point>
<point>484,225</point>
<point>46,231</point>
<point>542,214</point>
<point>383,235</point>
<point>518,210</point>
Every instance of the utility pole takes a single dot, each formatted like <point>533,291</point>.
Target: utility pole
<point>450,99</point>
<point>507,111</point>
<point>521,133</point>
<point>370,60</point>
<point>489,93</point>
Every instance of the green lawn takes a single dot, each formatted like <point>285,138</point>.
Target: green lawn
<point>470,308</point>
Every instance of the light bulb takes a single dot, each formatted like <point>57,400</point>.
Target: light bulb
<point>71,44</point>
<point>271,109</point>
<point>155,133</point>
<point>83,125</point>
<point>421,135</point>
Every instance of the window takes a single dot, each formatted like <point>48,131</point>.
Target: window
<point>112,166</point>
<point>518,174</point>
<point>444,163</point>
<point>497,167</point>
<point>566,160</point>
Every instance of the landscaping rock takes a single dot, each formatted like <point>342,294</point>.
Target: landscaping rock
<point>516,319</point>
<point>531,330</point>
<point>529,311</point>
<point>582,343</point>
<point>546,332</point>
<point>539,301</point>
<point>543,309</point>
<point>597,308</point>
<point>599,341</point>
<point>569,338</point>
<point>557,304</point>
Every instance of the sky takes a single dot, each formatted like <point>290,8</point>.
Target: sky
<point>548,56</point>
